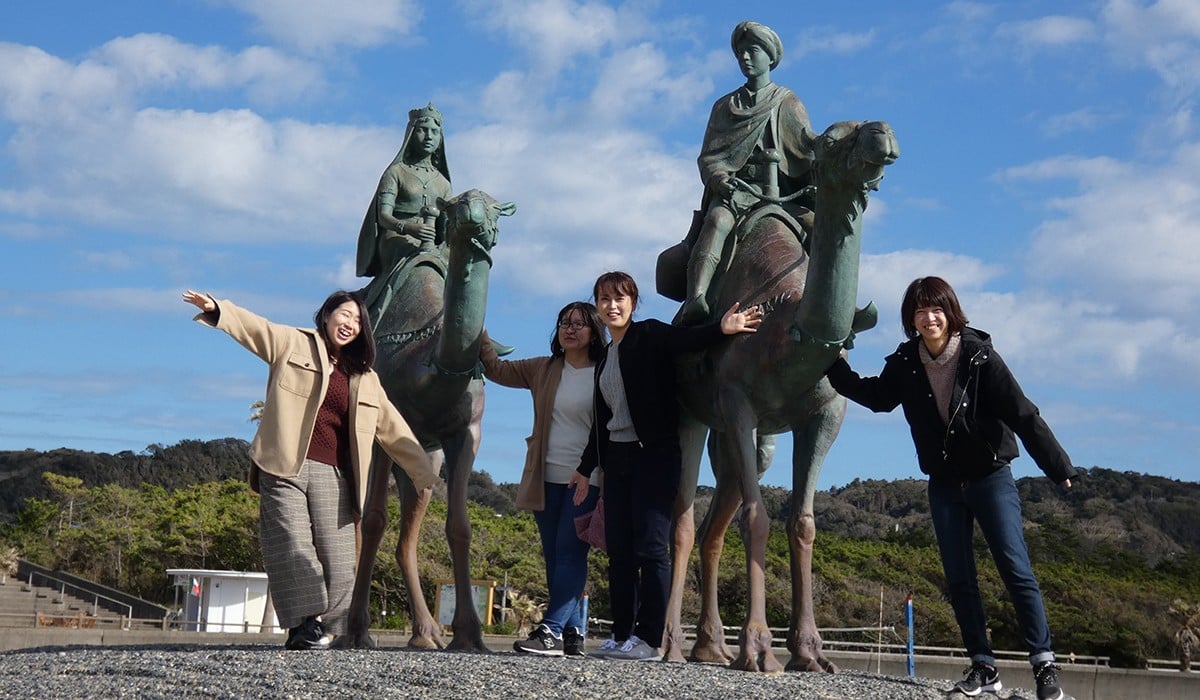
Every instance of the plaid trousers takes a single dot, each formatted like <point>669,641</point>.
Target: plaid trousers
<point>306,528</point>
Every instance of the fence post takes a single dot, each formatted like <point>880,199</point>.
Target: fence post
<point>908,618</point>
<point>583,604</point>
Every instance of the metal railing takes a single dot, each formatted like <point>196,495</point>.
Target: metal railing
<point>779,638</point>
<point>61,585</point>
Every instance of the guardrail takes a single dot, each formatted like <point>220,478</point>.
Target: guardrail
<point>62,585</point>
<point>779,638</point>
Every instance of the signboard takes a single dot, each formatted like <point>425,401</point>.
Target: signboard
<point>482,593</point>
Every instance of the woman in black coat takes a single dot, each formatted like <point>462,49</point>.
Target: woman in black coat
<point>964,408</point>
<point>635,439</point>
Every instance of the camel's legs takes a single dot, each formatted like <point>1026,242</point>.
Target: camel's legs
<point>710,632</point>
<point>460,456</point>
<point>739,445</point>
<point>811,442</point>
<point>691,441</point>
<point>427,634</point>
<point>371,528</point>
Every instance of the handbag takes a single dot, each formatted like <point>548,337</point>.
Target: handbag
<point>590,526</point>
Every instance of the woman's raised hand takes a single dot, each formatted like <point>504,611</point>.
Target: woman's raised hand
<point>203,302</point>
<point>735,321</point>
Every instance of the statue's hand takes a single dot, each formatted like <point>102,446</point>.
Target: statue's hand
<point>424,232</point>
<point>722,185</point>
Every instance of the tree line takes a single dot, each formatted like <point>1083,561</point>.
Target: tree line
<point>1118,556</point>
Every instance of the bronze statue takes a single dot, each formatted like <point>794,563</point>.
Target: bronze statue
<point>758,385</point>
<point>428,341</point>
<point>757,121</point>
<point>402,220</point>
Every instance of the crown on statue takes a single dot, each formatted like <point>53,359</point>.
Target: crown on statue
<point>427,112</point>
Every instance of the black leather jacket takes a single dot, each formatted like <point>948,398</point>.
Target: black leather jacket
<point>987,407</point>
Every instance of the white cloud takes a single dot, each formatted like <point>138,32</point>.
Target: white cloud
<point>154,60</point>
<point>1163,36</point>
<point>828,40</point>
<point>1078,121</point>
<point>640,80</point>
<point>322,25</point>
<point>1130,237</point>
<point>599,198</point>
<point>555,32</point>
<point>1051,31</point>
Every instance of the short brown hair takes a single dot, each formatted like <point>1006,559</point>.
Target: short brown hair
<point>619,282</point>
<point>931,291</point>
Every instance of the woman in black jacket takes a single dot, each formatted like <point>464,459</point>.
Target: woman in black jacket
<point>963,407</point>
<point>635,439</point>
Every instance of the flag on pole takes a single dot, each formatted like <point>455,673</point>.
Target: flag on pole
<point>195,586</point>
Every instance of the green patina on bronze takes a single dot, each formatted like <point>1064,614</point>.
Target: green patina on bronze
<point>428,340</point>
<point>746,390</point>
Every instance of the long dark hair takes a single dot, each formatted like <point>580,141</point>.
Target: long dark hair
<point>924,292</point>
<point>596,349</point>
<point>619,282</point>
<point>358,355</point>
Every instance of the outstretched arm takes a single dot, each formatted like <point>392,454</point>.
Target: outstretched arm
<point>204,302</point>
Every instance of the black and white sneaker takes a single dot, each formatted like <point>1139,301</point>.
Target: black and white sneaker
<point>1046,676</point>
<point>573,642</point>
<point>309,634</point>
<point>981,678</point>
<point>542,642</point>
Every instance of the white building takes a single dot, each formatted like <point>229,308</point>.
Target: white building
<point>224,601</point>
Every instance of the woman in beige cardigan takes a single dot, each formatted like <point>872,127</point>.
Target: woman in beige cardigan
<point>309,460</point>
<point>562,386</point>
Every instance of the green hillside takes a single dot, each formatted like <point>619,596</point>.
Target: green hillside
<point>1112,554</point>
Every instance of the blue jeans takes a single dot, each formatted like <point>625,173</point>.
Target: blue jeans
<point>993,502</point>
<point>565,554</point>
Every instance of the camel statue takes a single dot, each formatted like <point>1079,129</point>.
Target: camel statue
<point>755,386</point>
<point>428,342</point>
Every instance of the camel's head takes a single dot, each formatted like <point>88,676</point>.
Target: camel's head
<point>471,218</point>
<point>855,153</point>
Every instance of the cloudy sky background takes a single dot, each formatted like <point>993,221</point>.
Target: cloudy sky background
<point>1048,171</point>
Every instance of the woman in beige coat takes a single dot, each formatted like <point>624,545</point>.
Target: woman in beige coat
<point>311,455</point>
<point>562,386</point>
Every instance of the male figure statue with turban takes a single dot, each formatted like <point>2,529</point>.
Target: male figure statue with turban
<point>744,125</point>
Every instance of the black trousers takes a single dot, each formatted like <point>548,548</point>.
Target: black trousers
<point>640,485</point>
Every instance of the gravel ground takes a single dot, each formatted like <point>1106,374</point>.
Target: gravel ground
<point>202,671</point>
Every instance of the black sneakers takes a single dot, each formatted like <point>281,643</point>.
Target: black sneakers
<point>542,642</point>
<point>1046,675</point>
<point>981,678</point>
<point>573,642</point>
<point>309,634</point>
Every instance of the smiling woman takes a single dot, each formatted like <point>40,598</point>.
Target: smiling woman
<point>964,407</point>
<point>311,455</point>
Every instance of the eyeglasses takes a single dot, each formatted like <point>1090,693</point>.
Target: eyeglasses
<point>572,325</point>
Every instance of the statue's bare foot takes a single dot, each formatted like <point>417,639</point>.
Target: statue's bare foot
<point>694,311</point>
<point>807,654</point>
<point>756,653</point>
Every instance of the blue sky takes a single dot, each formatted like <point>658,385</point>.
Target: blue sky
<point>1048,171</point>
